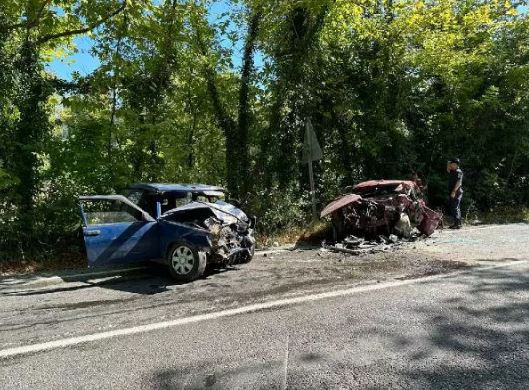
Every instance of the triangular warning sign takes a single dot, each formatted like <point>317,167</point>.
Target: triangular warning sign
<point>311,147</point>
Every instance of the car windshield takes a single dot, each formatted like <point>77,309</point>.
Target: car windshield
<point>209,198</point>
<point>170,200</point>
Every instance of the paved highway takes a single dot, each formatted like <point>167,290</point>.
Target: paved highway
<point>467,330</point>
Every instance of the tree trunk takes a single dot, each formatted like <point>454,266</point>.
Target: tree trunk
<point>235,132</point>
<point>243,163</point>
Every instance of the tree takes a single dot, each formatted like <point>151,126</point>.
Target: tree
<point>33,28</point>
<point>235,130</point>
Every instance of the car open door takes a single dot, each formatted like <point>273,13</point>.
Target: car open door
<point>116,231</point>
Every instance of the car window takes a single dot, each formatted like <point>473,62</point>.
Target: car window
<point>134,196</point>
<point>208,196</point>
<point>100,212</point>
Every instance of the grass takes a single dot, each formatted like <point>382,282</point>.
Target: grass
<point>60,261</point>
<point>313,233</point>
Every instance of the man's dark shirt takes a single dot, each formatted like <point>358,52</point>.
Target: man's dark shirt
<point>455,176</point>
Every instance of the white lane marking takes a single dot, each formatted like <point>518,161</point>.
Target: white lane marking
<point>32,348</point>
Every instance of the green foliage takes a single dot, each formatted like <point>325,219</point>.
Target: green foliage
<point>285,210</point>
<point>393,88</point>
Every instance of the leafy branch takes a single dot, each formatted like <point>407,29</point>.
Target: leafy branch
<point>30,23</point>
<point>83,29</point>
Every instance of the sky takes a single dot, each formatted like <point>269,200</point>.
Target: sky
<point>85,63</point>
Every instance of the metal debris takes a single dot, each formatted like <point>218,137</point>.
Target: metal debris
<point>359,246</point>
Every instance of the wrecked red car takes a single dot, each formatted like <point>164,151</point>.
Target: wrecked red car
<point>382,207</point>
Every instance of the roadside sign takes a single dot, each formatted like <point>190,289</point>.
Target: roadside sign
<point>311,147</point>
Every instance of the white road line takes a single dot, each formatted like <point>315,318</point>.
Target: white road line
<point>33,348</point>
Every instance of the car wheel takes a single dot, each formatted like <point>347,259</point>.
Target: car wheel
<point>186,262</point>
<point>246,259</point>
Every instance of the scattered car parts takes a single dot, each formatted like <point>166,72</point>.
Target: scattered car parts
<point>360,246</point>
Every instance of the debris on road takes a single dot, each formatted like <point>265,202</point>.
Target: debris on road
<point>359,246</point>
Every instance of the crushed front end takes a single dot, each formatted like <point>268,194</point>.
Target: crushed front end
<point>230,230</point>
<point>382,208</point>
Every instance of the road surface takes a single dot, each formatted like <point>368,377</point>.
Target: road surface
<point>465,329</point>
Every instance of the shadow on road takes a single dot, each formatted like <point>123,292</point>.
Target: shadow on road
<point>262,375</point>
<point>204,377</point>
<point>474,340</point>
<point>150,281</point>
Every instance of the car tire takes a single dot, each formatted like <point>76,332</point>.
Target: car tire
<point>246,259</point>
<point>186,262</point>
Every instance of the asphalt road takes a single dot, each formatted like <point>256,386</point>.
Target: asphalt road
<point>467,329</point>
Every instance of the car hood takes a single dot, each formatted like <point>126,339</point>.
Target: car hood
<point>339,203</point>
<point>225,212</point>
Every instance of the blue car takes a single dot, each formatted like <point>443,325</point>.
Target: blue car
<point>186,226</point>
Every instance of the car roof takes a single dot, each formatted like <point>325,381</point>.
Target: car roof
<point>167,187</point>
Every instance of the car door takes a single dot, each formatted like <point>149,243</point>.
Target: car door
<point>116,231</point>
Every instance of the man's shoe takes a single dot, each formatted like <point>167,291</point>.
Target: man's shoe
<point>456,225</point>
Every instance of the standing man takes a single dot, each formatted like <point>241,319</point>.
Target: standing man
<point>455,191</point>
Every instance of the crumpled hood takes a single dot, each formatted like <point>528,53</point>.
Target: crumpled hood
<point>231,209</point>
<point>339,203</point>
<point>225,212</point>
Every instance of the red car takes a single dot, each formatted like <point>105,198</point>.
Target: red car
<point>382,207</point>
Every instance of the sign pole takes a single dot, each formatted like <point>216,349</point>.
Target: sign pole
<point>312,191</point>
<point>311,152</point>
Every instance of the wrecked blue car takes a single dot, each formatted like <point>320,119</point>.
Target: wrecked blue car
<point>187,227</point>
